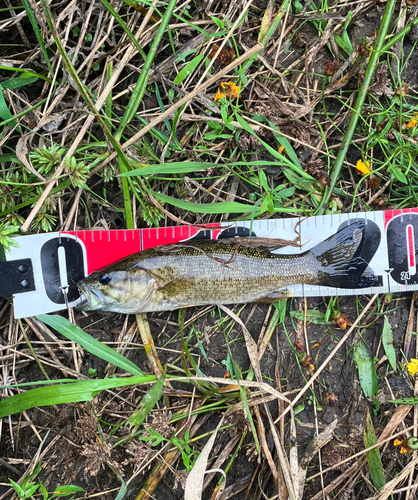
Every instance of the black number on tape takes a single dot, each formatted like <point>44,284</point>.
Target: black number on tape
<point>74,269</point>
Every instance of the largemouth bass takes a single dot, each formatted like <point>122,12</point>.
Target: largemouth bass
<point>218,272</point>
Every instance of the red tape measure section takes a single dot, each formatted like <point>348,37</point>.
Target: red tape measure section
<point>391,214</point>
<point>106,247</point>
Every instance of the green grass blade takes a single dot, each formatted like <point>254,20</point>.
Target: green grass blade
<point>5,114</point>
<point>141,84</point>
<point>126,195</point>
<point>39,382</point>
<point>108,101</point>
<point>373,456</point>
<point>147,403</point>
<point>266,32</point>
<point>404,401</point>
<point>27,72</point>
<point>125,28</point>
<point>17,83</point>
<point>387,341</point>
<point>22,113</point>
<point>82,390</point>
<point>366,370</point>
<point>12,84</point>
<point>124,487</point>
<point>316,317</point>
<point>189,68</point>
<point>93,346</point>
<point>246,406</point>
<point>34,23</point>
<point>290,152</point>
<point>185,167</point>
<point>159,135</point>
<point>224,207</point>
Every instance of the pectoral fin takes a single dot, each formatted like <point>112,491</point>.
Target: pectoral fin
<point>173,288</point>
<point>275,296</point>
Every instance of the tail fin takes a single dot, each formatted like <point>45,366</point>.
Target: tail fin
<point>335,256</point>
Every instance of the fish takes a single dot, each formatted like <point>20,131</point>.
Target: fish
<point>229,271</point>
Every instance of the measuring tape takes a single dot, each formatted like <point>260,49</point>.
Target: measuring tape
<point>41,273</point>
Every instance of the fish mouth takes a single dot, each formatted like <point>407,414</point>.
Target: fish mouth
<point>89,299</point>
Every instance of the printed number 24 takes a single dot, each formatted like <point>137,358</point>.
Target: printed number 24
<point>405,275</point>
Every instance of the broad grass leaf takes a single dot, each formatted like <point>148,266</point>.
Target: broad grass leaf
<point>316,317</point>
<point>266,22</point>
<point>373,456</point>
<point>18,489</point>
<point>387,340</point>
<point>404,401</point>
<point>73,392</point>
<point>189,68</point>
<point>12,84</point>
<point>17,83</point>
<point>66,490</point>
<point>147,403</point>
<point>185,167</point>
<point>125,28</point>
<point>223,207</point>
<point>397,172</point>
<point>296,180</point>
<point>4,111</point>
<point>366,370</point>
<point>124,487</point>
<point>93,346</point>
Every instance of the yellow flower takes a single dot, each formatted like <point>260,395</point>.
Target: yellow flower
<point>282,150</point>
<point>231,90</point>
<point>363,167</point>
<point>397,442</point>
<point>413,367</point>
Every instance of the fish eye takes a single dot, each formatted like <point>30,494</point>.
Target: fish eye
<point>104,279</point>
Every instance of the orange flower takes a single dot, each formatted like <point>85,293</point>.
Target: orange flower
<point>227,90</point>
<point>413,121</point>
<point>408,444</point>
<point>363,167</point>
